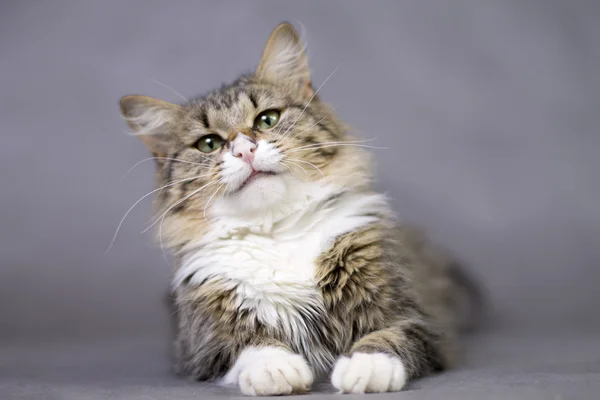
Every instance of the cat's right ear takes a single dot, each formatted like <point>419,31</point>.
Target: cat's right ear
<point>284,60</point>
<point>151,120</point>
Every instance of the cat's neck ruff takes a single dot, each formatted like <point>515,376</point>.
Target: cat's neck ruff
<point>269,260</point>
<point>299,200</point>
<point>298,230</point>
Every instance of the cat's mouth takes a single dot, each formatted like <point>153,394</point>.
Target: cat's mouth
<point>254,176</point>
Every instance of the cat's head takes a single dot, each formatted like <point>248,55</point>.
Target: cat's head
<point>247,146</point>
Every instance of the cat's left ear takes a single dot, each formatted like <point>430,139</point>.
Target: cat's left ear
<point>284,61</point>
<point>153,121</point>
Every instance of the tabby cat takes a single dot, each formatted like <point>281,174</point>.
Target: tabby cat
<point>289,266</point>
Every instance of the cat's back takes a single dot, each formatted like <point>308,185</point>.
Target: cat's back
<point>438,280</point>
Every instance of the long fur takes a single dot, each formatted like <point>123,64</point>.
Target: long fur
<point>304,270</point>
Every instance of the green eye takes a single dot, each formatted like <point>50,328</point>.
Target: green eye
<point>209,143</point>
<point>267,120</point>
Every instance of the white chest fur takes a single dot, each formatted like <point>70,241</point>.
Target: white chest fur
<point>270,263</point>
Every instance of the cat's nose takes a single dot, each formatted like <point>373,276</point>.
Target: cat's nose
<point>243,147</point>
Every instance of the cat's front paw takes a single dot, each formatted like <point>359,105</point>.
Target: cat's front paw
<point>271,371</point>
<point>369,373</point>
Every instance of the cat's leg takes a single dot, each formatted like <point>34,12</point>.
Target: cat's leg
<point>209,347</point>
<point>270,369</point>
<point>384,360</point>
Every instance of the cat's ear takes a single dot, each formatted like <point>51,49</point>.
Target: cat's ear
<point>151,120</point>
<point>284,60</point>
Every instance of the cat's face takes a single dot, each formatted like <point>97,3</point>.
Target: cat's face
<point>244,145</point>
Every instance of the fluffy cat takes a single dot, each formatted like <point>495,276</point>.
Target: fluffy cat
<point>289,266</point>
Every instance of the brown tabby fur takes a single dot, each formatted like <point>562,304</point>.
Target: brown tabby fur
<point>384,287</point>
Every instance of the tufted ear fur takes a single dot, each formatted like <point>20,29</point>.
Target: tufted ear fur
<point>284,61</point>
<point>151,120</point>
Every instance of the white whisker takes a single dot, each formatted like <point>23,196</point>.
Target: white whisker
<point>162,247</point>
<point>162,219</point>
<point>287,167</point>
<point>112,242</point>
<point>161,158</point>
<point>311,164</point>
<point>324,143</point>
<point>317,146</point>
<point>208,202</point>
<point>172,90</point>
<point>299,166</point>
<point>313,125</point>
<point>310,100</point>
<point>177,203</point>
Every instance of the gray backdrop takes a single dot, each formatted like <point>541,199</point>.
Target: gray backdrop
<point>489,110</point>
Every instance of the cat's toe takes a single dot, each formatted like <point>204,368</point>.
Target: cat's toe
<point>369,373</point>
<point>282,374</point>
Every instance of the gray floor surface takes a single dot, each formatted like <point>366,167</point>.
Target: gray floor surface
<point>496,366</point>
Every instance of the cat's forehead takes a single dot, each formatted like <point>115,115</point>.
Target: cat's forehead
<point>232,106</point>
<point>228,108</point>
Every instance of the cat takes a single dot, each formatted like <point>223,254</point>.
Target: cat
<point>289,265</point>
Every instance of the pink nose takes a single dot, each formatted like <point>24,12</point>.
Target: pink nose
<point>243,147</point>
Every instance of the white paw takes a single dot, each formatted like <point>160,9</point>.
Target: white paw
<point>363,372</point>
<point>270,371</point>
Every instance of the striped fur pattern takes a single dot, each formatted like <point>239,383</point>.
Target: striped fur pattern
<point>289,266</point>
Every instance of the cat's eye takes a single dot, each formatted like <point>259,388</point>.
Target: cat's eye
<point>267,120</point>
<point>209,143</point>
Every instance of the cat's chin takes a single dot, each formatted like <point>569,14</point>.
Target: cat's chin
<point>260,193</point>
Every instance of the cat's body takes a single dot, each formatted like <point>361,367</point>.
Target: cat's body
<point>289,267</point>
